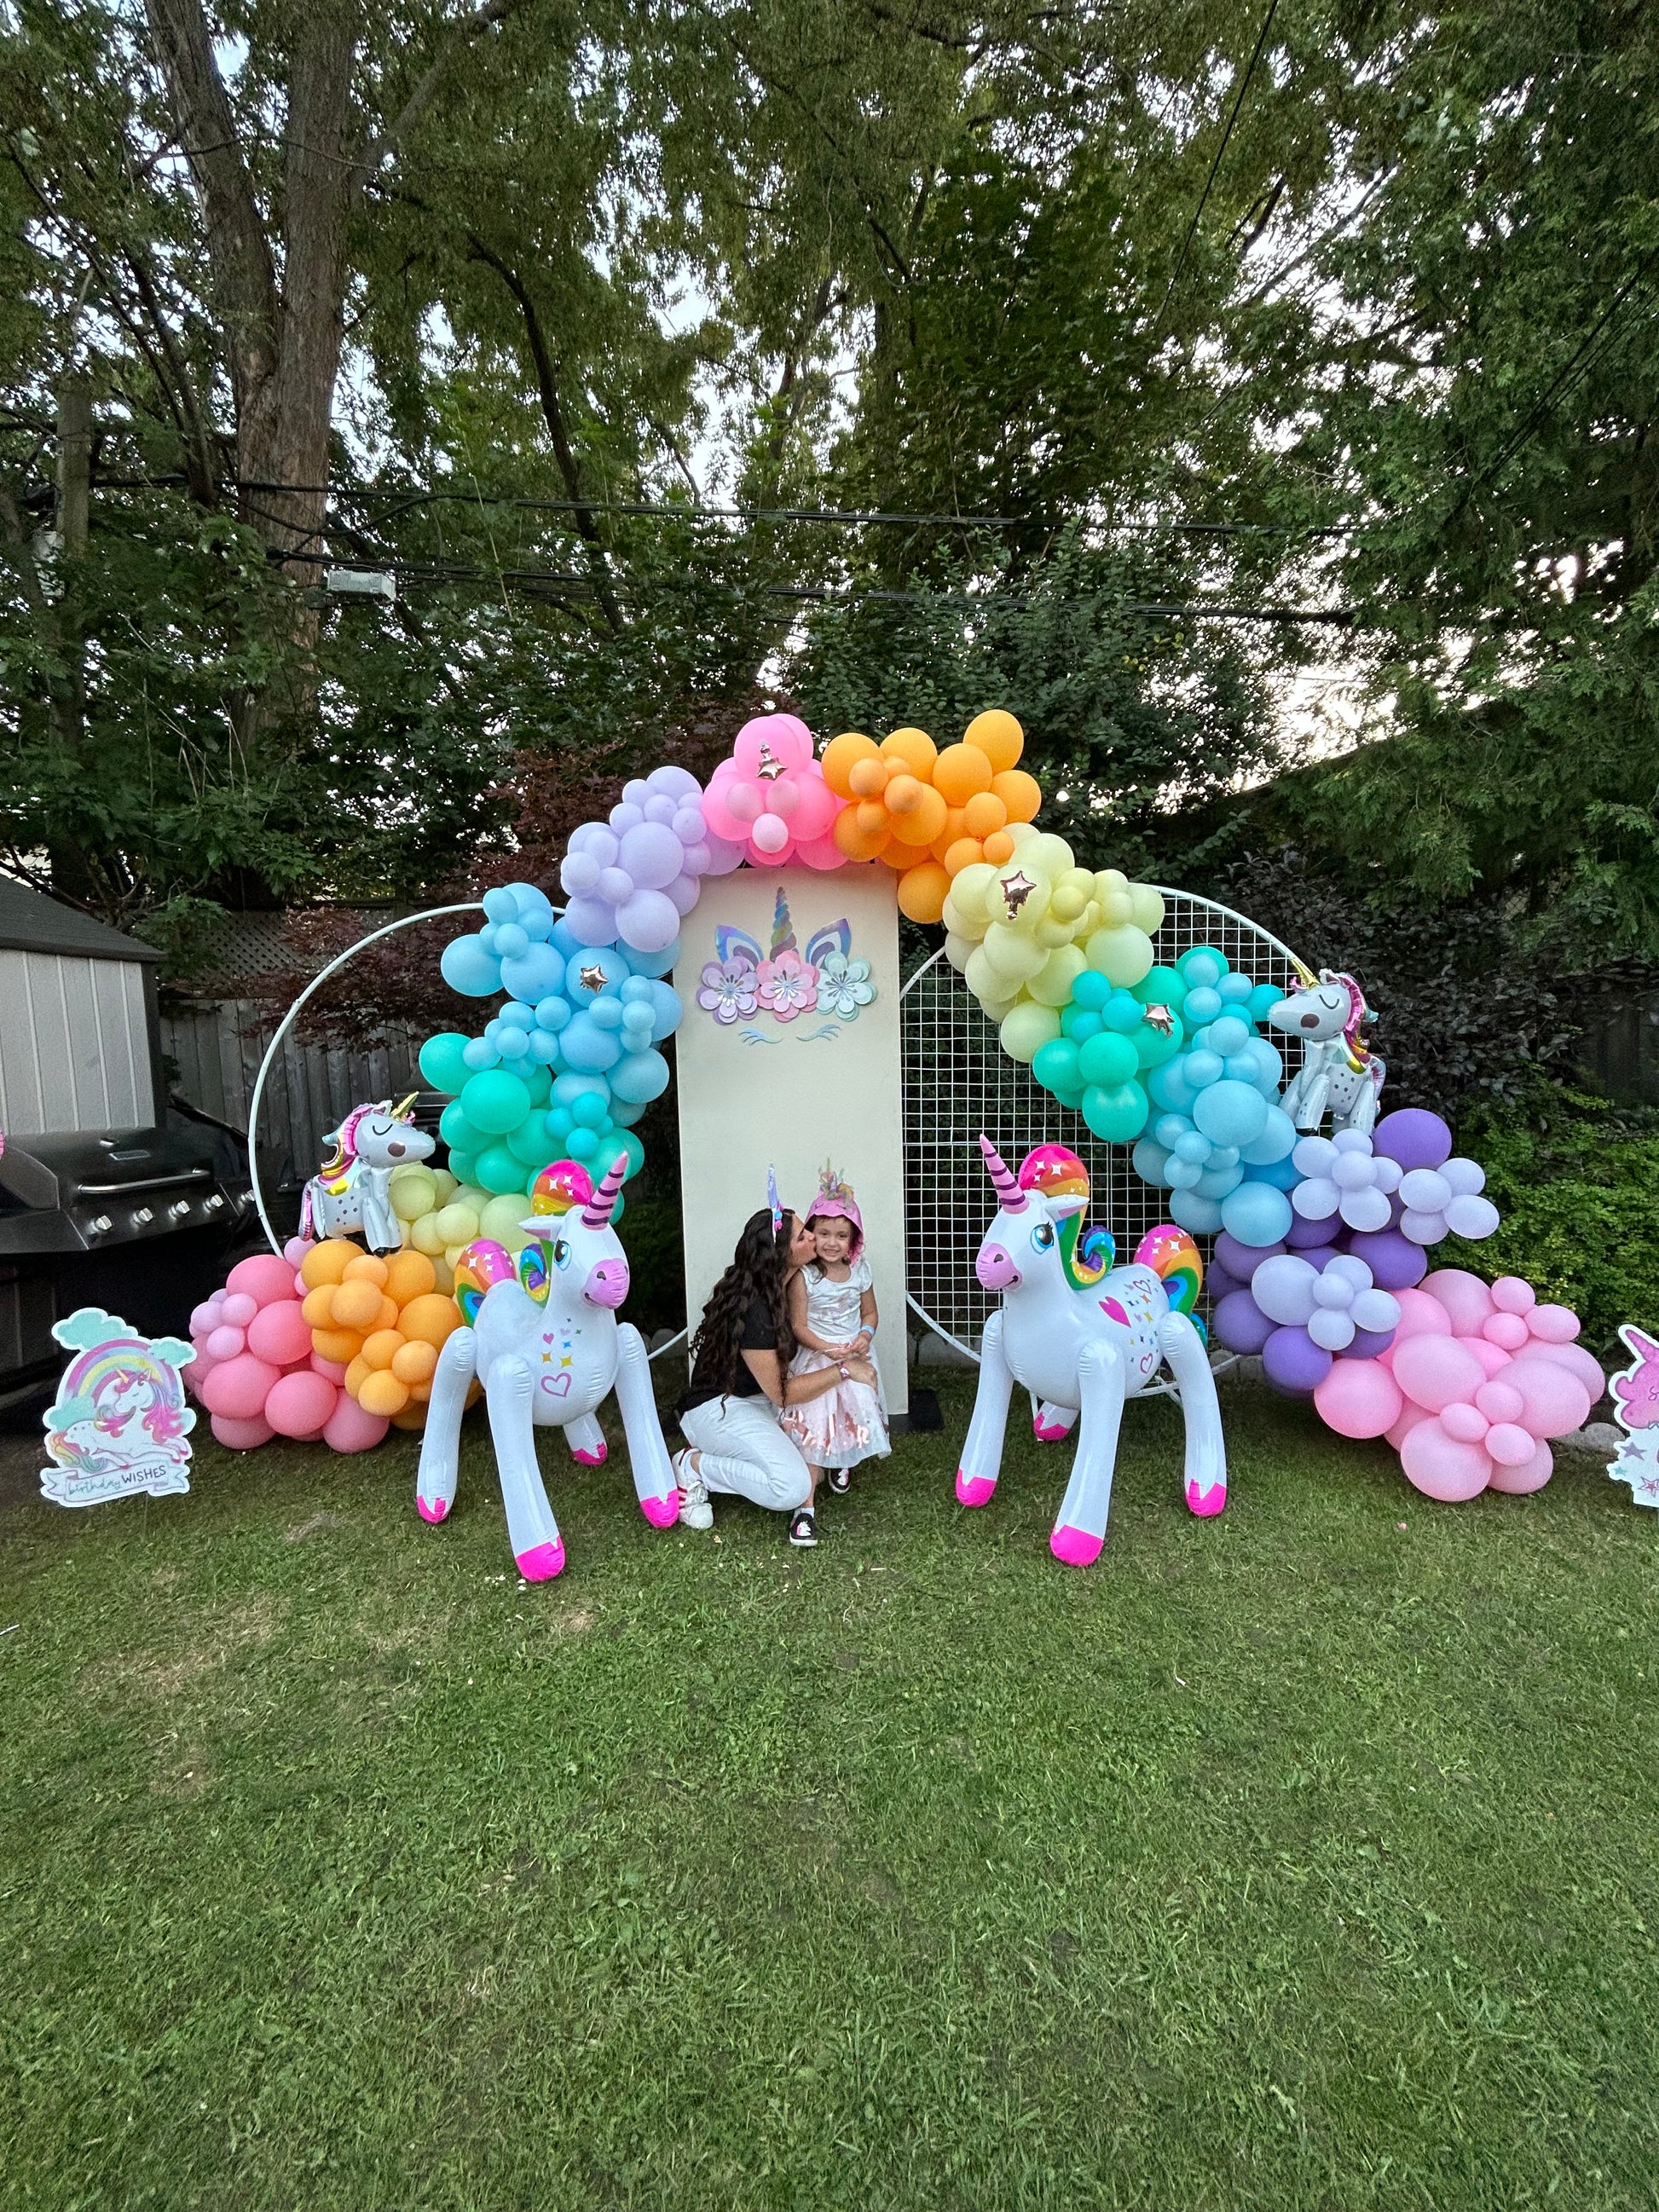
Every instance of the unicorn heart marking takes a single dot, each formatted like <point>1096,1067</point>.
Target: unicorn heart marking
<point>1114,1311</point>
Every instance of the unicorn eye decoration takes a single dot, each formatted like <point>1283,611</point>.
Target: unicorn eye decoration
<point>1042,1236</point>
<point>561,1254</point>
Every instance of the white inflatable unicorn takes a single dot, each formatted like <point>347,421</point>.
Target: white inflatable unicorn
<point>1082,1336</point>
<point>351,1192</point>
<point>542,1337</point>
<point>1339,1074</point>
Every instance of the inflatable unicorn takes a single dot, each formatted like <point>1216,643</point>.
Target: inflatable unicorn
<point>1339,1074</point>
<point>543,1337</point>
<point>351,1192</point>
<point>1082,1336</point>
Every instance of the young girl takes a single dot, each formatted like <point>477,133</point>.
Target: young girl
<point>832,1310</point>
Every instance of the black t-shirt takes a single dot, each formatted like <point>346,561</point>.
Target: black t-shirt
<point>759,1335</point>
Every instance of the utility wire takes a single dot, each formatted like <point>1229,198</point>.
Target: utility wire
<point>1204,196</point>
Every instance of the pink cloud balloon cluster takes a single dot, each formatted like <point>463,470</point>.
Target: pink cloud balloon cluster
<point>770,798</point>
<point>1478,1378</point>
<point>632,878</point>
<point>255,1370</point>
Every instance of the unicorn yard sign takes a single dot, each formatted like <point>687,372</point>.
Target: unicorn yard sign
<point>119,1424</point>
<point>1636,1409</point>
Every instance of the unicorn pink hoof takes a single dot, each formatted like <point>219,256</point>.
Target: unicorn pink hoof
<point>437,1511</point>
<point>975,1489</point>
<point>542,1562</point>
<point>661,1512</point>
<point>1075,1547</point>
<point>591,1458</point>
<point>1206,1503</point>
<point>1046,1434</point>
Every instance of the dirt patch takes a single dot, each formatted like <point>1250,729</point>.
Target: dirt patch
<point>224,1634</point>
<point>574,1621</point>
<point>301,1530</point>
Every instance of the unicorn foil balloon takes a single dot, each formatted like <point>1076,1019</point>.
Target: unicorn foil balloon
<point>350,1194</point>
<point>542,1337</point>
<point>1339,1074</point>
<point>1082,1336</point>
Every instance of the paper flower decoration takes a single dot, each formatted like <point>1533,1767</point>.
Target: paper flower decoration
<point>844,986</point>
<point>787,986</point>
<point>1343,1176</point>
<point>770,800</point>
<point>728,989</point>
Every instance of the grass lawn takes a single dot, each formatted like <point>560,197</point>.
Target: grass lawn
<point>1304,1858</point>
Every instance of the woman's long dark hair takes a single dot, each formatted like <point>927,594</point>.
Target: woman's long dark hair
<point>759,1269</point>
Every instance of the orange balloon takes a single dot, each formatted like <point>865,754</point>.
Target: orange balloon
<point>412,1417</point>
<point>896,856</point>
<point>841,756</point>
<point>387,1317</point>
<point>318,1305</point>
<point>903,794</point>
<point>983,813</point>
<point>867,779</point>
<point>858,844</point>
<point>367,1268</point>
<point>959,772</point>
<point>912,748</point>
<point>355,1375</point>
<point>922,891</point>
<point>997,736</point>
<point>1020,793</point>
<point>382,1393</point>
<point>871,817</point>
<point>340,1345</point>
<point>383,1347</point>
<point>419,1393</point>
<point>327,1262</point>
<point>999,847</point>
<point>414,1363</point>
<point>357,1305</point>
<point>429,1319</point>
<point>963,854</point>
<point>954,828</point>
<point>925,822</point>
<point>410,1275</point>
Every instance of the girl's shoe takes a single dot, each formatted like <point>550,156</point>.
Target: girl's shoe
<point>802,1526</point>
<point>695,1511</point>
<point>839,1479</point>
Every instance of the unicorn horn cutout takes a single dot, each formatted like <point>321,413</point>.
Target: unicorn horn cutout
<point>597,1211</point>
<point>400,1112</point>
<point>1308,979</point>
<point>1013,1199</point>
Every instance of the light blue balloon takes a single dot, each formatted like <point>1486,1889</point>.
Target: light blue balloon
<point>1191,1146</point>
<point>1283,1175</point>
<point>1218,1182</point>
<point>1262,999</point>
<point>1182,1175</point>
<point>501,904</point>
<point>1170,1129</point>
<point>1235,988</point>
<point>479,1052</point>
<point>590,1111</point>
<point>1167,1086</point>
<point>512,939</point>
<point>515,1015</point>
<point>1202,1068</point>
<point>606,961</point>
<point>1200,1215</point>
<point>564,938</point>
<point>552,1012</point>
<point>1224,1156</point>
<point>653,963</point>
<point>560,1123</point>
<point>588,1049</point>
<point>1241,1067</point>
<point>1269,1063</point>
<point>467,967</point>
<point>534,972</point>
<point>570,1087</point>
<point>1201,966</point>
<point>1229,1113</point>
<point>1256,1213</point>
<point>640,1076</point>
<point>1275,1141</point>
<point>1229,1034</point>
<point>544,1048</point>
<point>1202,1005</point>
<point>606,1012</point>
<point>1149,1161</point>
<point>666,1011</point>
<point>624,1114</point>
<point>584,1145</point>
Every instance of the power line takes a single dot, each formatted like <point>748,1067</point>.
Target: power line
<point>1204,196</point>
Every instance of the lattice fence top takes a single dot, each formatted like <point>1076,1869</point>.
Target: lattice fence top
<point>959,1081</point>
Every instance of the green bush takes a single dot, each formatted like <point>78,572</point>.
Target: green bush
<point>1577,1182</point>
<point>650,1230</point>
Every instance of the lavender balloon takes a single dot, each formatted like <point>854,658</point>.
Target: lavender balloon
<point>1414,1137</point>
<point>1239,1322</point>
<point>1293,1363</point>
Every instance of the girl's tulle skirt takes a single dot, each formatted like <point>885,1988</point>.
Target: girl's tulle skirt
<point>846,1426</point>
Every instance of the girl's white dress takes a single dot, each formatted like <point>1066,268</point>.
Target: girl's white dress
<point>849,1423</point>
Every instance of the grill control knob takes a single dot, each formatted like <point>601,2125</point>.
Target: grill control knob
<point>215,1202</point>
<point>142,1217</point>
<point>100,1225</point>
<point>180,1208</point>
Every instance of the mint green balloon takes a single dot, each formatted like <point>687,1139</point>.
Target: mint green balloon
<point>1108,1059</point>
<point>499,1171</point>
<point>1116,1116</point>
<point>496,1101</point>
<point>442,1064</point>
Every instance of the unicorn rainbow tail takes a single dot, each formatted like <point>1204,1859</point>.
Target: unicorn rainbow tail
<point>1173,1257</point>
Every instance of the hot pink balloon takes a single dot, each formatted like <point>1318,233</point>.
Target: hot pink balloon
<point>1358,1398</point>
<point>770,740</point>
<point>238,1388</point>
<point>242,1435</point>
<point>1433,1370</point>
<point>263,1277</point>
<point>1442,1469</point>
<point>349,1429</point>
<point>300,1404</point>
<point>280,1333</point>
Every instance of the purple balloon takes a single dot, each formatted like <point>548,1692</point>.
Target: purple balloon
<point>591,921</point>
<point>653,855</point>
<point>1240,1323</point>
<point>1293,1363</point>
<point>1316,1255</point>
<point>1301,1236</point>
<point>1367,1343</point>
<point>1396,1264</point>
<point>1238,1260</point>
<point>1221,1283</point>
<point>1414,1137</point>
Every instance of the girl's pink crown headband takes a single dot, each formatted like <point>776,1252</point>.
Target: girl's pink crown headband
<point>835,1196</point>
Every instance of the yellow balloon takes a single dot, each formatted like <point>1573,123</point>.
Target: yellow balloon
<point>1116,908</point>
<point>1148,908</point>
<point>1107,880</point>
<point>424,1237</point>
<point>457,1224</point>
<point>1026,1028</point>
<point>413,1191</point>
<point>502,1216</point>
<point>1019,896</point>
<point>1122,955</point>
<point>958,950</point>
<point>1050,854</point>
<point>1052,984</point>
<point>964,904</point>
<point>1068,902</point>
<point>982,980</point>
<point>1049,932</point>
<point>1013,956</point>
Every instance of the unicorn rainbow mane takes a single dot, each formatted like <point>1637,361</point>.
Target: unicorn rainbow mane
<point>1085,1254</point>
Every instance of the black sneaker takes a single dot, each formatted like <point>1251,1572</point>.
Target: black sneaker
<point>802,1526</point>
<point>839,1479</point>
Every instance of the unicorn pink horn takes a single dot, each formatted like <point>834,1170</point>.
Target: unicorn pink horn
<point>1013,1198</point>
<point>597,1211</point>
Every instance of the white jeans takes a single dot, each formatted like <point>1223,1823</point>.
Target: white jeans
<point>744,1454</point>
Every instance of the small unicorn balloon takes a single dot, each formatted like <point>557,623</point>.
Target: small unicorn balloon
<point>543,1337</point>
<point>1339,1074</point>
<point>350,1194</point>
<point>1082,1336</point>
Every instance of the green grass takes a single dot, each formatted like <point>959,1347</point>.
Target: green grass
<point>1300,1859</point>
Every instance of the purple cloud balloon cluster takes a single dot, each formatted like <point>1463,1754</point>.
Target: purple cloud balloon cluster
<point>632,878</point>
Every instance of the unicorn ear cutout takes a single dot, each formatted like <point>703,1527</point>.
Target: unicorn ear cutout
<point>1062,1204</point>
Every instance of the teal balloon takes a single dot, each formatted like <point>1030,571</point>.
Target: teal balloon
<point>1091,990</point>
<point>442,1064</point>
<point>1078,1023</point>
<point>457,1132</point>
<point>624,1140</point>
<point>500,1170</point>
<point>1117,1116</point>
<point>464,1166</point>
<point>559,1121</point>
<point>495,1102</point>
<point>531,1142</point>
<point>589,1111</point>
<point>1123,1013</point>
<point>584,1144</point>
<point>1162,986</point>
<point>1153,1046</point>
<point>1107,1061</point>
<point>1056,1064</point>
<point>1071,1096</point>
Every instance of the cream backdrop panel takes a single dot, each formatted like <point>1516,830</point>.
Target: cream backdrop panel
<point>795,1093</point>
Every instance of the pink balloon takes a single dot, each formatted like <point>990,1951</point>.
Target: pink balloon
<point>1412,1418</point>
<point>300,1404</point>
<point>332,1369</point>
<point>786,737</point>
<point>1420,1315</point>
<point>1466,1423</point>
<point>1554,1324</point>
<point>239,1388</point>
<point>263,1277</point>
<point>1576,1360</point>
<point>1510,1294</point>
<point>1508,1329</point>
<point>242,1435</point>
<point>1492,1357</point>
<point>1518,1481</point>
<point>193,1376</point>
<point>817,808</point>
<point>224,1342</point>
<point>295,1249</point>
<point>822,853</point>
<point>1500,1401</point>
<point>1509,1444</point>
<point>1464,1296</point>
<point>238,1309</point>
<point>1433,1370</point>
<point>1442,1469</point>
<point>349,1429</point>
<point>204,1318</point>
<point>280,1333</point>
<point>1358,1398</point>
<point>771,834</point>
<point>743,802</point>
<point>1555,1402</point>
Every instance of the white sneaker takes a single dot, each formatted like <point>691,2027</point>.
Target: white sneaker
<point>695,1511</point>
